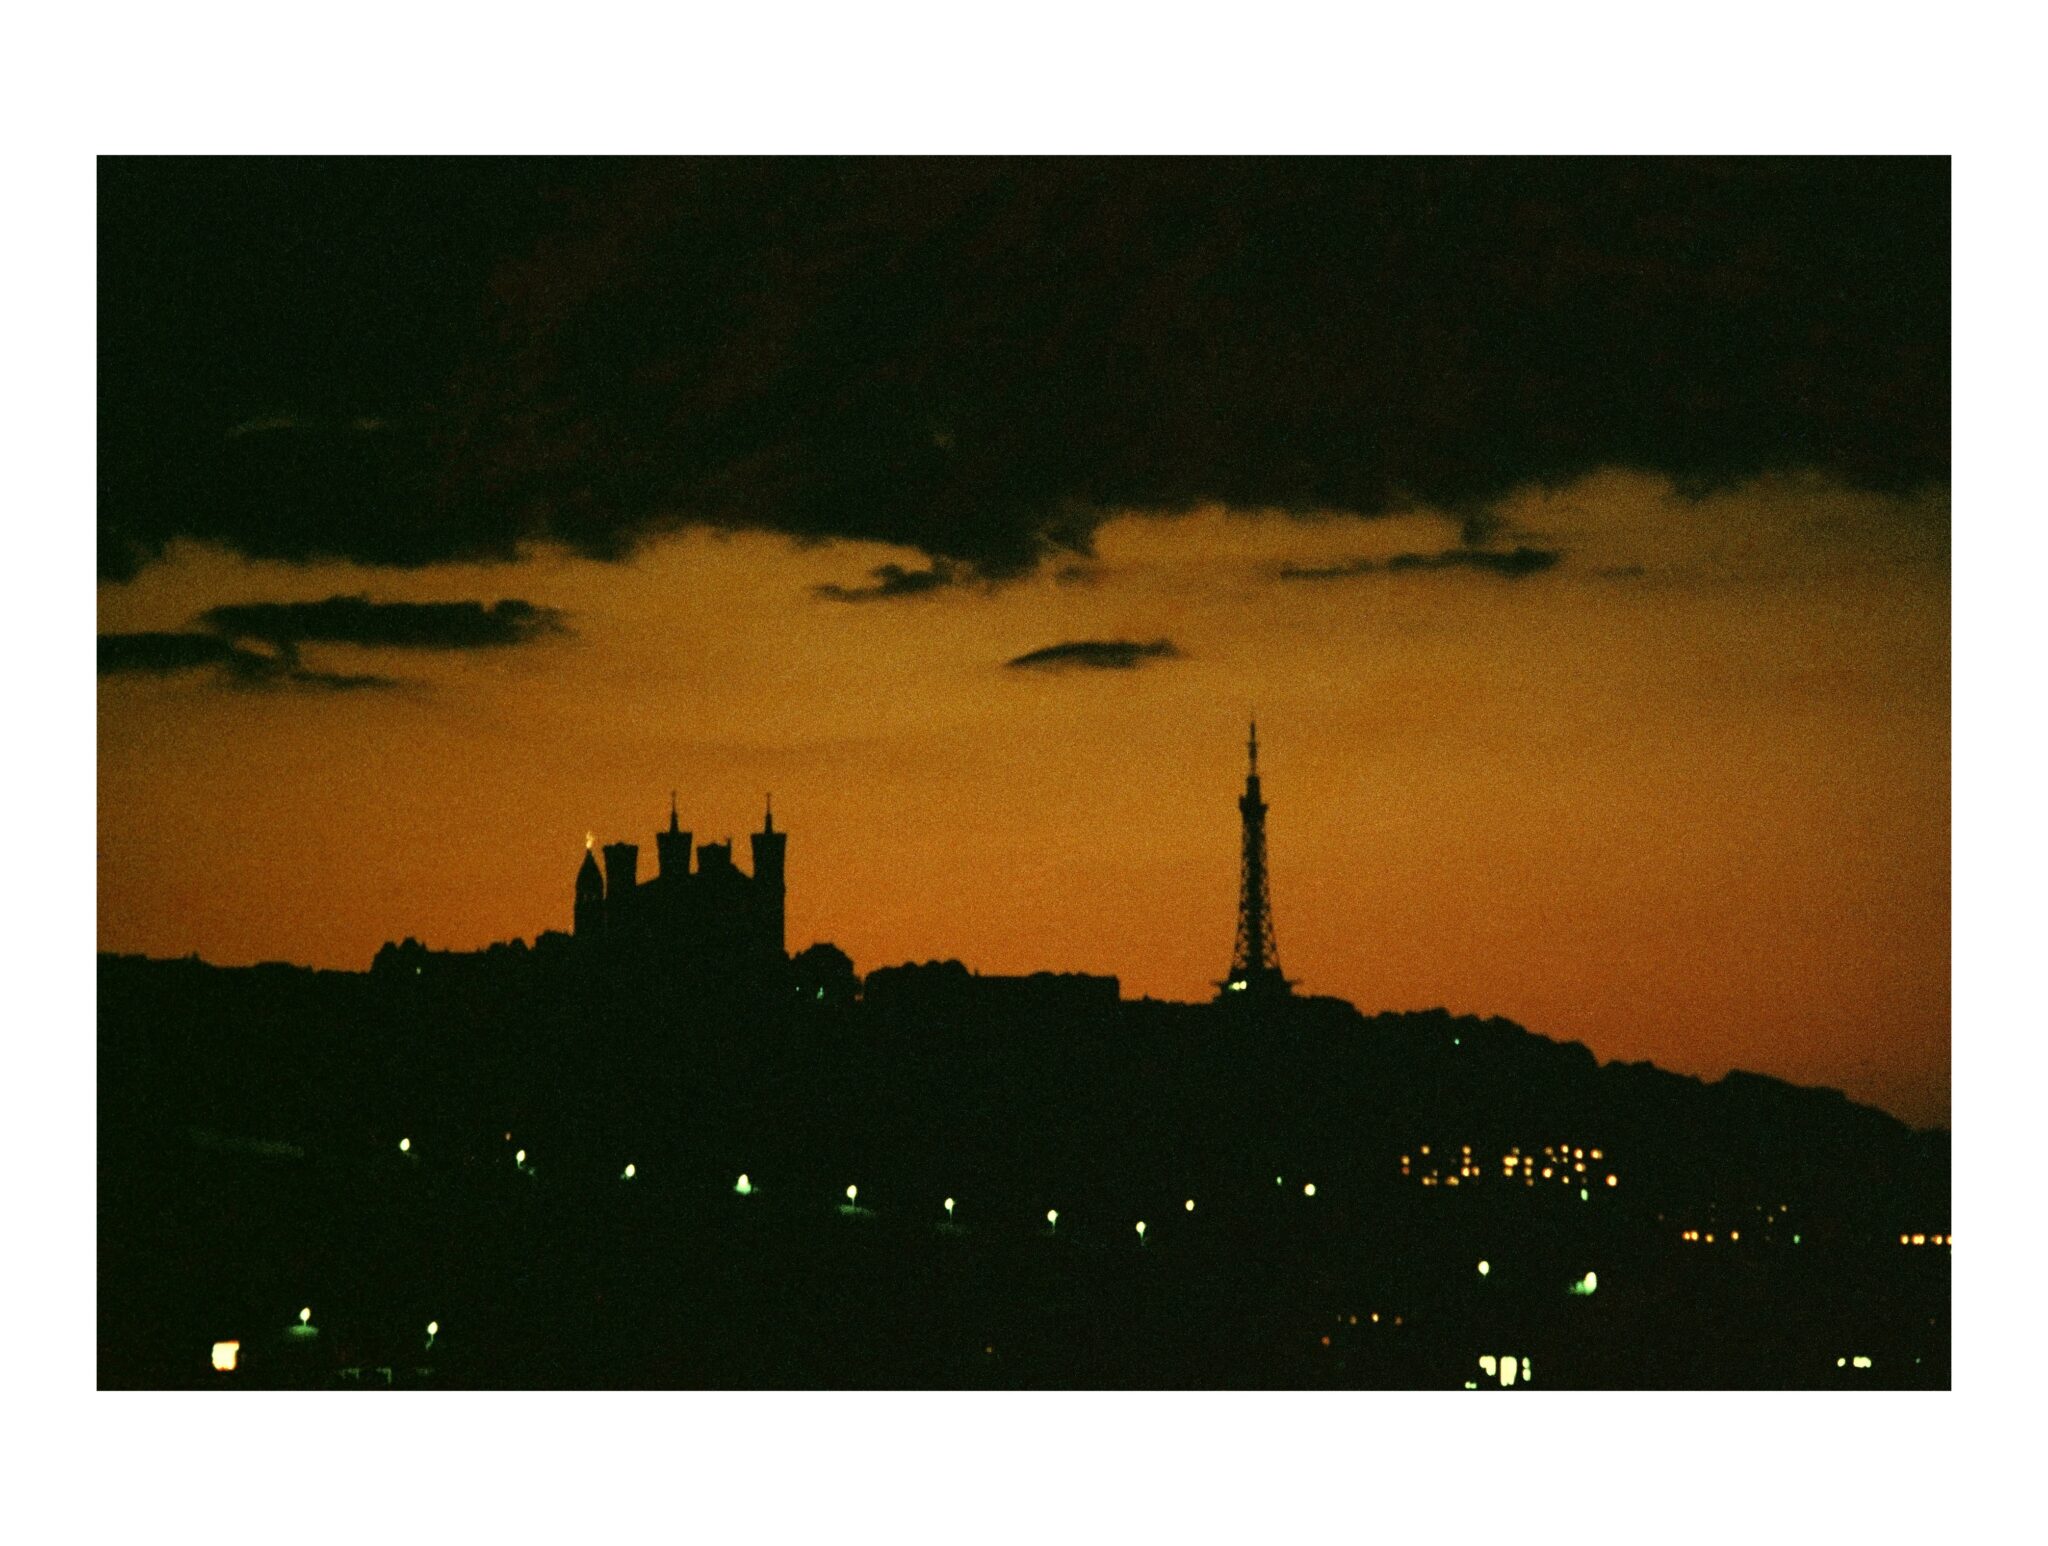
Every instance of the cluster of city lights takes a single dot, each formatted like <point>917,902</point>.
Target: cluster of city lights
<point>1708,1238</point>
<point>1948,1240</point>
<point>1860,1361</point>
<point>1562,1163</point>
<point>1503,1368</point>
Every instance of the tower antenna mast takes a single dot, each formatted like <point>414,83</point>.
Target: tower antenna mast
<point>1255,958</point>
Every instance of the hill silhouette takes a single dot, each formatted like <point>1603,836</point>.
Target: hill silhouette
<point>251,1123</point>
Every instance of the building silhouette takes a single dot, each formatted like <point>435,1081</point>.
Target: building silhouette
<point>1255,958</point>
<point>713,918</point>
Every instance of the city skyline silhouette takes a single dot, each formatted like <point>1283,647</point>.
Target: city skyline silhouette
<point>1567,972</point>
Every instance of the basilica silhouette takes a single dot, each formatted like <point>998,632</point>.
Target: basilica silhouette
<point>714,917</point>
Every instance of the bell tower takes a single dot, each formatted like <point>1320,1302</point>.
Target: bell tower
<point>769,848</point>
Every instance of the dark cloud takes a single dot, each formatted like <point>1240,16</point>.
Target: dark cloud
<point>892,581</point>
<point>282,627</point>
<point>1095,655</point>
<point>402,361</point>
<point>428,625</point>
<point>162,654</point>
<point>168,654</point>
<point>1514,563</point>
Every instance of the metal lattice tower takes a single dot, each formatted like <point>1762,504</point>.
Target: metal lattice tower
<point>1255,959</point>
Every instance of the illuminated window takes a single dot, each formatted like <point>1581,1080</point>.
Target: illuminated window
<point>1488,1364</point>
<point>226,1355</point>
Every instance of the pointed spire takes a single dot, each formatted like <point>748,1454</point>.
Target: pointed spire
<point>1255,744</point>
<point>768,822</point>
<point>672,826</point>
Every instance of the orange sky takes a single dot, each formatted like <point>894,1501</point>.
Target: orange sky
<point>1684,797</point>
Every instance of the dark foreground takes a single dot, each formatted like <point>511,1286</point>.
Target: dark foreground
<point>250,1167</point>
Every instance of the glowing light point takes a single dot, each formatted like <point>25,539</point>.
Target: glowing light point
<point>519,1158</point>
<point>1795,1239</point>
<point>1141,1229</point>
<point>1189,1205</point>
<point>433,1328</point>
<point>1279,1180</point>
<point>405,1146</point>
<point>629,1172</point>
<point>1584,1195</point>
<point>1485,1267</point>
<point>743,1186</point>
<point>949,1207</point>
<point>226,1355</point>
<point>306,1316</point>
<point>852,1192</point>
<point>1613,1181</point>
<point>1052,1218</point>
<point>1841,1363</point>
<point>1309,1190</point>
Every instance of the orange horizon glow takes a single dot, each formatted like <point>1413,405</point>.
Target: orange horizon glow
<point>1684,798</point>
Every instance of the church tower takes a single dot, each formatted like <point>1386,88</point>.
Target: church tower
<point>769,847</point>
<point>672,848</point>
<point>589,895</point>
